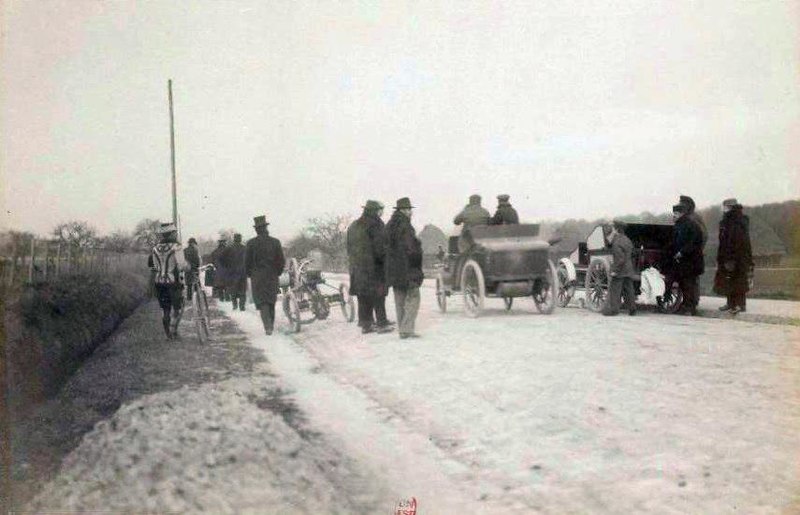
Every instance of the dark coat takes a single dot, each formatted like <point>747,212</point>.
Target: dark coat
<point>622,251</point>
<point>505,214</point>
<point>688,240</point>
<point>734,257</point>
<point>232,260</point>
<point>472,214</point>
<point>192,257</point>
<point>403,253</point>
<point>264,263</point>
<point>366,252</point>
<point>219,273</point>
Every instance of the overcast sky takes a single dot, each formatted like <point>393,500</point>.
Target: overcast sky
<point>298,109</point>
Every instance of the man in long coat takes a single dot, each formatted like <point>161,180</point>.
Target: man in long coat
<point>366,251</point>
<point>404,266</point>
<point>233,261</point>
<point>505,214</point>
<point>687,255</point>
<point>622,271</point>
<point>218,285</point>
<point>264,263</point>
<point>735,256</point>
<point>694,216</point>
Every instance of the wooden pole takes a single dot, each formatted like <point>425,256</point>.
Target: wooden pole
<point>46,257</point>
<point>33,258</point>
<point>172,156</point>
<point>58,259</point>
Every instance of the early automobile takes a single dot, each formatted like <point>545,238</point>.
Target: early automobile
<point>589,267</point>
<point>307,297</point>
<point>501,261</point>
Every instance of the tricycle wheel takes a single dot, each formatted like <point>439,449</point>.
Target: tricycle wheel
<point>473,286</point>
<point>508,301</point>
<point>672,300</point>
<point>292,310</point>
<point>545,295</point>
<point>441,294</point>
<point>566,288</point>
<point>348,305</point>
<point>598,282</point>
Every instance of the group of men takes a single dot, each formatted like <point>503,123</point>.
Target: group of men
<point>175,269</point>
<point>686,261</point>
<point>383,256</point>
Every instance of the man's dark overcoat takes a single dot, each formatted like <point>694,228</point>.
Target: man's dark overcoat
<point>232,260</point>
<point>218,277</point>
<point>403,253</point>
<point>366,252</point>
<point>264,263</point>
<point>735,257</point>
<point>688,240</point>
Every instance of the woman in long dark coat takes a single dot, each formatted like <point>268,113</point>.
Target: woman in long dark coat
<point>734,258</point>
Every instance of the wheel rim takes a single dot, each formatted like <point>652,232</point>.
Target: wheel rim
<point>441,296</point>
<point>672,299</point>
<point>348,308</point>
<point>294,312</point>
<point>565,289</point>
<point>545,296</point>
<point>473,289</point>
<point>597,286</point>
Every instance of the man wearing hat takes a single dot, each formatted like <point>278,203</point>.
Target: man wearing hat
<point>687,258</point>
<point>622,272</point>
<point>263,264</point>
<point>168,265</point>
<point>505,213</point>
<point>366,252</point>
<point>218,286</point>
<point>734,257</point>
<point>404,266</point>
<point>472,214</point>
<point>692,214</point>
<point>192,257</point>
<point>232,260</point>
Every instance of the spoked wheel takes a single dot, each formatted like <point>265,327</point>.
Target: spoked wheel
<point>441,294</point>
<point>508,301</point>
<point>546,294</point>
<point>566,288</point>
<point>672,300</point>
<point>200,314</point>
<point>292,310</point>
<point>473,286</point>
<point>598,281</point>
<point>348,304</point>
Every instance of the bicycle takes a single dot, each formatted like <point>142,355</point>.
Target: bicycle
<point>200,305</point>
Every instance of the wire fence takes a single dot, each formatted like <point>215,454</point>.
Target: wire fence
<point>44,260</point>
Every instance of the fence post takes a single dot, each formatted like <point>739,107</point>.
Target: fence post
<point>58,260</point>
<point>33,259</point>
<point>13,266</point>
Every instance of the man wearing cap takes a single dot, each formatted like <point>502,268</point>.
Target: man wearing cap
<point>232,259</point>
<point>192,257</point>
<point>264,263</point>
<point>366,252</point>
<point>168,264</point>
<point>694,216</point>
<point>218,286</point>
<point>472,214</point>
<point>505,213</point>
<point>404,266</point>
<point>734,257</point>
<point>622,272</point>
<point>687,258</point>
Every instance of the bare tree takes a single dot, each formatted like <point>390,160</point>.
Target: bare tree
<point>76,234</point>
<point>145,235</point>
<point>329,233</point>
<point>118,241</point>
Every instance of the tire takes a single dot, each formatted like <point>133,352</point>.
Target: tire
<point>547,295</point>
<point>441,294</point>
<point>348,304</point>
<point>672,300</point>
<point>566,287</point>
<point>200,315</point>
<point>473,288</point>
<point>292,311</point>
<point>508,301</point>
<point>598,281</point>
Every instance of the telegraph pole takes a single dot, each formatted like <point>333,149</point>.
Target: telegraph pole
<point>172,155</point>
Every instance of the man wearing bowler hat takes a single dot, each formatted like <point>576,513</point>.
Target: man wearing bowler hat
<point>404,266</point>
<point>264,263</point>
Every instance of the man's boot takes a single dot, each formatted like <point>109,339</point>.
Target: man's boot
<point>165,322</point>
<point>241,303</point>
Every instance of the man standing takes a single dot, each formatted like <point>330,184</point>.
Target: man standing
<point>192,257</point>
<point>687,255</point>
<point>622,272</point>
<point>692,214</point>
<point>404,266</point>
<point>218,287</point>
<point>366,251</point>
<point>263,264</point>
<point>505,213</point>
<point>735,257</point>
<point>233,262</point>
<point>168,265</point>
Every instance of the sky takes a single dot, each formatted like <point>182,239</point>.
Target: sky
<point>303,109</point>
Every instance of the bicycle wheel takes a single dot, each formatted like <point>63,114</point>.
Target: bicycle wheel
<point>200,314</point>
